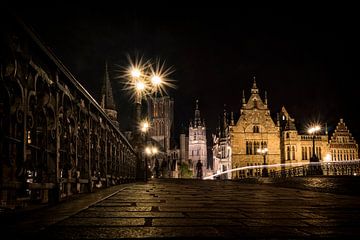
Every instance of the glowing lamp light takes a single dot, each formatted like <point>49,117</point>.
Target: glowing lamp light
<point>140,86</point>
<point>135,73</point>
<point>328,157</point>
<point>262,150</point>
<point>314,129</point>
<point>156,80</point>
<point>144,126</point>
<point>148,150</point>
<point>154,150</point>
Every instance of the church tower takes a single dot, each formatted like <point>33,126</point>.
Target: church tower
<point>161,117</point>
<point>197,142</point>
<point>107,98</point>
<point>222,146</point>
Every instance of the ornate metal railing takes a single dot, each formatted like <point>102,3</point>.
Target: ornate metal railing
<point>56,140</point>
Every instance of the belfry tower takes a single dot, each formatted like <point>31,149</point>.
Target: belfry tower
<point>197,142</point>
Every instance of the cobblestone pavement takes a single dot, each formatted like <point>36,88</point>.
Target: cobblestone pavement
<point>195,209</point>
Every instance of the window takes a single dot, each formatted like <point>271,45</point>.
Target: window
<point>255,129</point>
<point>293,152</point>
<point>302,153</point>
<point>288,153</point>
<point>287,135</point>
<point>256,147</point>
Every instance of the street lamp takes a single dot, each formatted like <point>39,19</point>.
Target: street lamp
<point>317,170</point>
<point>143,80</point>
<point>263,152</point>
<point>312,131</point>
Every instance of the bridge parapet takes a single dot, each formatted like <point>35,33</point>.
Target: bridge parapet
<point>56,140</point>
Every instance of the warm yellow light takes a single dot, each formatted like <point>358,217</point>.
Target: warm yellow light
<point>140,86</point>
<point>144,126</point>
<point>148,150</point>
<point>262,150</point>
<point>314,129</point>
<point>154,150</point>
<point>135,73</point>
<point>328,157</point>
<point>156,80</point>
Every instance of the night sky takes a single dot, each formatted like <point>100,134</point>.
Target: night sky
<point>304,57</point>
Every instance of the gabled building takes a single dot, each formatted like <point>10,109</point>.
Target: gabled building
<point>343,146</point>
<point>254,130</point>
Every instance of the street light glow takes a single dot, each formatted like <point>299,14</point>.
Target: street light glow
<point>135,73</point>
<point>262,150</point>
<point>146,78</point>
<point>144,126</point>
<point>156,80</point>
<point>140,86</point>
<point>314,129</point>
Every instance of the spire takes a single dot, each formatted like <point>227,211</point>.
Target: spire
<point>254,88</point>
<point>232,122</point>
<point>107,98</point>
<point>225,118</point>
<point>265,98</point>
<point>243,98</point>
<point>326,129</point>
<point>197,120</point>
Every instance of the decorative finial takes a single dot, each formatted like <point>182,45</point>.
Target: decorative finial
<point>232,122</point>
<point>265,97</point>
<point>254,88</point>
<point>243,97</point>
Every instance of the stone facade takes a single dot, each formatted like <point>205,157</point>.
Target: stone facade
<point>343,146</point>
<point>222,151</point>
<point>161,117</point>
<point>254,130</point>
<point>197,142</point>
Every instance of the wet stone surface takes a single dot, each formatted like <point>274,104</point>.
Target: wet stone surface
<point>190,209</point>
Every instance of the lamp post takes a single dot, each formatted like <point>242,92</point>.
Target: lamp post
<point>144,79</point>
<point>312,131</point>
<point>314,160</point>
<point>263,152</point>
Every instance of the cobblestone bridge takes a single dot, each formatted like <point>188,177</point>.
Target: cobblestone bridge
<point>193,209</point>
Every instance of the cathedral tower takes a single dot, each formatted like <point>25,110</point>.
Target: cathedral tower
<point>107,98</point>
<point>197,142</point>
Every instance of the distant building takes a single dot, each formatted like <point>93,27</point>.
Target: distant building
<point>197,142</point>
<point>240,144</point>
<point>222,147</point>
<point>343,146</point>
<point>161,117</point>
<point>255,129</point>
<point>298,148</point>
<point>107,98</point>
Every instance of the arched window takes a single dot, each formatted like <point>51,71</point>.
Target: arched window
<point>293,152</point>
<point>287,135</point>
<point>302,153</point>
<point>288,153</point>
<point>256,147</point>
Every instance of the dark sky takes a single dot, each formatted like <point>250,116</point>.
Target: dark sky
<point>304,57</point>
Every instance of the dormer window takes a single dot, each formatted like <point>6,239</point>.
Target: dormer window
<point>256,129</point>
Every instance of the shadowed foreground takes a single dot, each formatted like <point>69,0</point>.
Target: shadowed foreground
<point>193,209</point>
